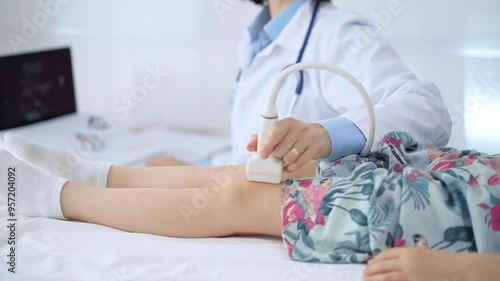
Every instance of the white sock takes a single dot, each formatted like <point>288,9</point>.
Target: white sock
<point>67,164</point>
<point>35,193</point>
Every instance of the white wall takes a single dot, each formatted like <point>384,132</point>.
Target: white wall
<point>455,43</point>
<point>114,41</point>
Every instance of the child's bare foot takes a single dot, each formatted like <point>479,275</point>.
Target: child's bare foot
<point>414,264</point>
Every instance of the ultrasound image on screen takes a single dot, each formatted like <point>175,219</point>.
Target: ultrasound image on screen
<point>35,87</point>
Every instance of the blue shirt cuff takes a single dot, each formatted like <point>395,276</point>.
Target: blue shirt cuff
<point>345,137</point>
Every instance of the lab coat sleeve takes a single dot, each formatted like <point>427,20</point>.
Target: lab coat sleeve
<point>401,101</point>
<point>345,137</point>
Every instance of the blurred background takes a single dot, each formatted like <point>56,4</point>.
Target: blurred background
<point>455,43</point>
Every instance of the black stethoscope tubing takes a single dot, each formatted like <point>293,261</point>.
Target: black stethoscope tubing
<point>300,83</point>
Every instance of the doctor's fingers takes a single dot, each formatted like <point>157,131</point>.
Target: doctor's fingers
<point>303,150</point>
<point>287,143</point>
<point>277,135</point>
<point>302,160</point>
<point>294,151</point>
<point>252,144</point>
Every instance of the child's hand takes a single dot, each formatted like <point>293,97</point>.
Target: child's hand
<point>295,142</point>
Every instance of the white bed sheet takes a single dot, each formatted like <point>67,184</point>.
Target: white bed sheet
<point>53,250</point>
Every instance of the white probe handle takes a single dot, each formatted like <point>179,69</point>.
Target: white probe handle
<point>264,170</point>
<point>267,125</point>
<point>270,109</point>
<point>271,169</point>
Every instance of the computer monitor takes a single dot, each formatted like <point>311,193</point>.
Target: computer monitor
<point>35,87</point>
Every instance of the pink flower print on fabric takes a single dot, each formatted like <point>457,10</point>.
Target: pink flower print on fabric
<point>313,196</point>
<point>471,158</point>
<point>493,163</point>
<point>320,219</point>
<point>305,183</point>
<point>393,141</point>
<point>444,165</point>
<point>473,181</point>
<point>451,155</point>
<point>292,213</point>
<point>494,180</point>
<point>492,219</point>
<point>495,218</point>
<point>434,153</point>
<point>398,243</point>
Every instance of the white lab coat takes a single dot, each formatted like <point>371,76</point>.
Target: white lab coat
<point>347,40</point>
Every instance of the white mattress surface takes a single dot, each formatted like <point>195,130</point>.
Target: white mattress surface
<point>53,250</point>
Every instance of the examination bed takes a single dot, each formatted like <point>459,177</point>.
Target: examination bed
<point>53,250</point>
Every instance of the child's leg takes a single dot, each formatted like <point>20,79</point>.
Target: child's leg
<point>236,207</point>
<point>185,177</point>
<point>67,164</point>
<point>220,209</point>
<point>171,177</point>
<point>414,264</point>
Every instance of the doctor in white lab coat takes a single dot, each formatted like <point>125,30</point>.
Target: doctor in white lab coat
<point>333,119</point>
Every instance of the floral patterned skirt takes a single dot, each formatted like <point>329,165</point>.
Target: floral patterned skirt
<point>398,196</point>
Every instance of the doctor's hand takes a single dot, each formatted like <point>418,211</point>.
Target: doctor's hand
<point>295,142</point>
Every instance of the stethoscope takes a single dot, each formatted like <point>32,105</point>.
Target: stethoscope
<point>300,82</point>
